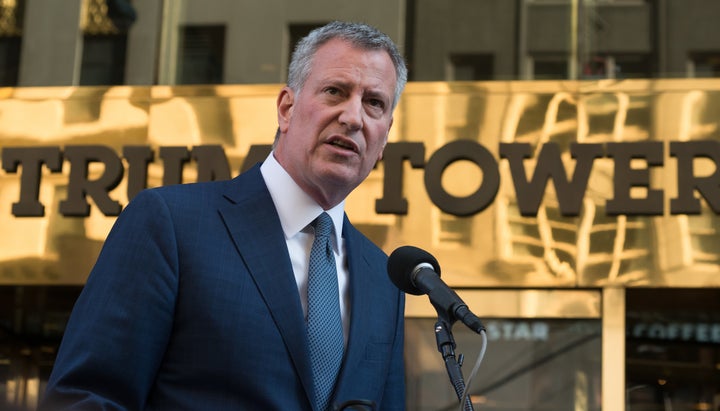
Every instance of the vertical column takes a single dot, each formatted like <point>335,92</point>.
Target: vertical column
<point>613,349</point>
<point>144,43</point>
<point>168,51</point>
<point>525,65</point>
<point>573,68</point>
<point>52,43</point>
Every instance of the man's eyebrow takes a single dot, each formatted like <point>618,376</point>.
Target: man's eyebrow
<point>334,81</point>
<point>374,91</point>
<point>379,94</point>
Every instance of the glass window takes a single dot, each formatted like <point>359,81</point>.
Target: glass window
<point>550,68</point>
<point>632,66</point>
<point>530,364</point>
<point>201,55</point>
<point>103,60</point>
<point>471,67</point>
<point>9,60</point>
<point>705,65</point>
<point>673,349</point>
<point>32,321</point>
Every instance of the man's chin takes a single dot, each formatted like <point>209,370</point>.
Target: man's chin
<point>343,177</point>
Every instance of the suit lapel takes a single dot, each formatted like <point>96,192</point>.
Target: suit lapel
<point>360,321</point>
<point>259,239</point>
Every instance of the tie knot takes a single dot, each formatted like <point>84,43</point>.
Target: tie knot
<point>323,225</point>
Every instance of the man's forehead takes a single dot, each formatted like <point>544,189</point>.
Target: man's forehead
<point>328,63</point>
<point>338,45</point>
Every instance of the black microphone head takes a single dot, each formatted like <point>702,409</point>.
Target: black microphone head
<point>402,264</point>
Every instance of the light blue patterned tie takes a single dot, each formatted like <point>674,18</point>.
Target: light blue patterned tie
<point>324,325</point>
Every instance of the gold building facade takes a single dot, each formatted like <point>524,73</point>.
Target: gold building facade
<point>548,205</point>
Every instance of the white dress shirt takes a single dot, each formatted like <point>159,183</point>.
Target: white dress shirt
<point>297,210</point>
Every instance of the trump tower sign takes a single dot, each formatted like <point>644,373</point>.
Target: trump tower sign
<point>510,184</point>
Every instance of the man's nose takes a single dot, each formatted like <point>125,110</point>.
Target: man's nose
<point>351,115</point>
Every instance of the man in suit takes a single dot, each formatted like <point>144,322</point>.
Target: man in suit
<point>199,299</point>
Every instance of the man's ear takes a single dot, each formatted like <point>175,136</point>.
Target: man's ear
<point>285,103</point>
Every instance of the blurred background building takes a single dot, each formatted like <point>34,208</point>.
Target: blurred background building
<point>119,42</point>
<point>587,312</point>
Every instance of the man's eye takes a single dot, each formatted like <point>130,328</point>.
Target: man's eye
<point>332,91</point>
<point>376,103</point>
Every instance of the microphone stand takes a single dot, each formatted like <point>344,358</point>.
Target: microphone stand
<point>446,346</point>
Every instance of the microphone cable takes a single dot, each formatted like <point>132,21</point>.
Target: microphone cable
<point>473,373</point>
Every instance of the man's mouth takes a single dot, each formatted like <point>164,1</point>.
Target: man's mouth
<point>343,144</point>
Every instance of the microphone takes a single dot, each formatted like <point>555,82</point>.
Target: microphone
<point>415,271</point>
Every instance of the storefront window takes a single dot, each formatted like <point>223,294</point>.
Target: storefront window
<point>530,364</point>
<point>32,321</point>
<point>673,349</point>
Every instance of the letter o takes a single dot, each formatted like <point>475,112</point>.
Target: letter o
<point>448,154</point>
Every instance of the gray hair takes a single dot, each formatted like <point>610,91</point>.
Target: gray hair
<point>359,35</point>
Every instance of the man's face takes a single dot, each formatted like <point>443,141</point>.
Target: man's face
<point>334,130</point>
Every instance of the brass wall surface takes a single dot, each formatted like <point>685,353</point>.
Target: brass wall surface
<point>494,248</point>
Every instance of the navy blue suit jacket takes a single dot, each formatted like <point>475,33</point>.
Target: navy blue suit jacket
<point>192,305</point>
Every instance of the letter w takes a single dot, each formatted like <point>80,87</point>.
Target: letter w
<point>549,165</point>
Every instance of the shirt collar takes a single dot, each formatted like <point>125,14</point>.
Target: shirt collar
<point>295,207</point>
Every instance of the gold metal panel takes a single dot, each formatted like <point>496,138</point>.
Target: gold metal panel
<point>492,248</point>
<point>555,304</point>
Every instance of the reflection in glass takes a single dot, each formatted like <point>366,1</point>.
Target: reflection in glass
<point>530,364</point>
